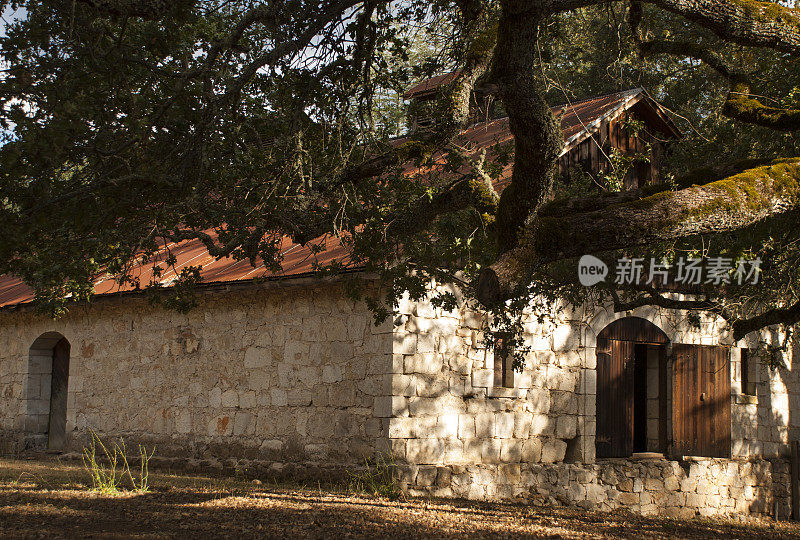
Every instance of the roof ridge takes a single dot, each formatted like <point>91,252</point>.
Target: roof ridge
<point>628,92</point>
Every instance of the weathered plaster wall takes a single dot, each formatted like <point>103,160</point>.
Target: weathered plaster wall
<point>277,376</point>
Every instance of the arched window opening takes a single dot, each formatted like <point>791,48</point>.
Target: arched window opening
<point>46,391</point>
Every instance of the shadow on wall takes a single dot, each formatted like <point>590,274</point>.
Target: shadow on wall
<point>778,419</point>
<point>46,393</point>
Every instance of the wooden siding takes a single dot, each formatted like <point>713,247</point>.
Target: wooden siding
<point>592,155</point>
<point>701,401</point>
<point>615,365</point>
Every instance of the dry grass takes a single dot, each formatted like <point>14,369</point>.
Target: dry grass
<point>49,499</point>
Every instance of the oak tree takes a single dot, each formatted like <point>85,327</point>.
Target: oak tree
<point>129,123</point>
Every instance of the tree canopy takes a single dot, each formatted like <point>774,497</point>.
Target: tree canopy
<point>128,123</point>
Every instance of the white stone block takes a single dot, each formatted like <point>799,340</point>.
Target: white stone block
<point>332,373</point>
<point>522,425</point>
<point>254,357</point>
<point>590,381</point>
<point>531,451</point>
<point>566,427</point>
<point>241,423</point>
<point>553,451</point>
<point>425,451</point>
<point>278,397</point>
<point>482,378</point>
<point>422,406</point>
<point>542,424</point>
<point>247,400</point>
<point>538,401</point>
<point>431,385</point>
<point>423,363</point>
<point>426,343</point>
<point>405,344</point>
<point>402,428</point>
<point>484,425</point>
<point>230,398</point>
<point>566,337</point>
<point>490,450</point>
<point>447,425</point>
<point>523,380</point>
<point>466,426</point>
<point>504,425</point>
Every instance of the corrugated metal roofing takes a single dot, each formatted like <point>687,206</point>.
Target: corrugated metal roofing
<point>578,120</point>
<point>429,85</point>
<point>297,261</point>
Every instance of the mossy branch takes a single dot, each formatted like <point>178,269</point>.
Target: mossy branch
<point>740,103</point>
<point>471,191</point>
<point>725,205</point>
<point>747,22</point>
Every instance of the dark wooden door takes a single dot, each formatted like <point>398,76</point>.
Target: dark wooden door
<point>701,419</point>
<point>615,365</point>
<point>56,433</point>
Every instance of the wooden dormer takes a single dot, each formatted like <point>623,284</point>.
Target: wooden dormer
<point>593,128</point>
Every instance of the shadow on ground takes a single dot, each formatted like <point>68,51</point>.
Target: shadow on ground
<point>51,500</point>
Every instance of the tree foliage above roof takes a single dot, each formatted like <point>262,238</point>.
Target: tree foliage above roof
<point>129,123</point>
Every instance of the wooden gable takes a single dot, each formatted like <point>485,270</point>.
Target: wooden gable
<point>590,149</point>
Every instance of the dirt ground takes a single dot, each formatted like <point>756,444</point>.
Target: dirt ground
<point>53,500</point>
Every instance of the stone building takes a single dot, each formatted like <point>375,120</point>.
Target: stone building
<point>650,410</point>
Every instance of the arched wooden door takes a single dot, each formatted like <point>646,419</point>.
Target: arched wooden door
<point>622,349</point>
<point>57,430</point>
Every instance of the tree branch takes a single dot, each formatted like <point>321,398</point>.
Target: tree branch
<point>747,22</point>
<point>722,206</point>
<point>740,104</point>
<point>785,315</point>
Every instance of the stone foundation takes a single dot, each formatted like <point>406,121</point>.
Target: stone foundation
<point>694,487</point>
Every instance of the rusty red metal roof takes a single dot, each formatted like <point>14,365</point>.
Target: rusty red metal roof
<point>429,86</point>
<point>578,120</point>
<point>298,261</point>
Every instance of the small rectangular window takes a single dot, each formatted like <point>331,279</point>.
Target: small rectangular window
<point>503,366</point>
<point>749,364</point>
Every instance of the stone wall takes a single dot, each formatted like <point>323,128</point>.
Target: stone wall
<point>298,380</point>
<point>696,487</point>
<point>446,409</point>
<point>286,375</point>
<point>765,423</point>
<point>459,434</point>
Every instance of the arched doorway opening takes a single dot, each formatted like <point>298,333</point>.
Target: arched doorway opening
<point>46,401</point>
<point>632,388</point>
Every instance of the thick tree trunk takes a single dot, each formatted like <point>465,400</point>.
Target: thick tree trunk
<point>725,205</point>
<point>537,133</point>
